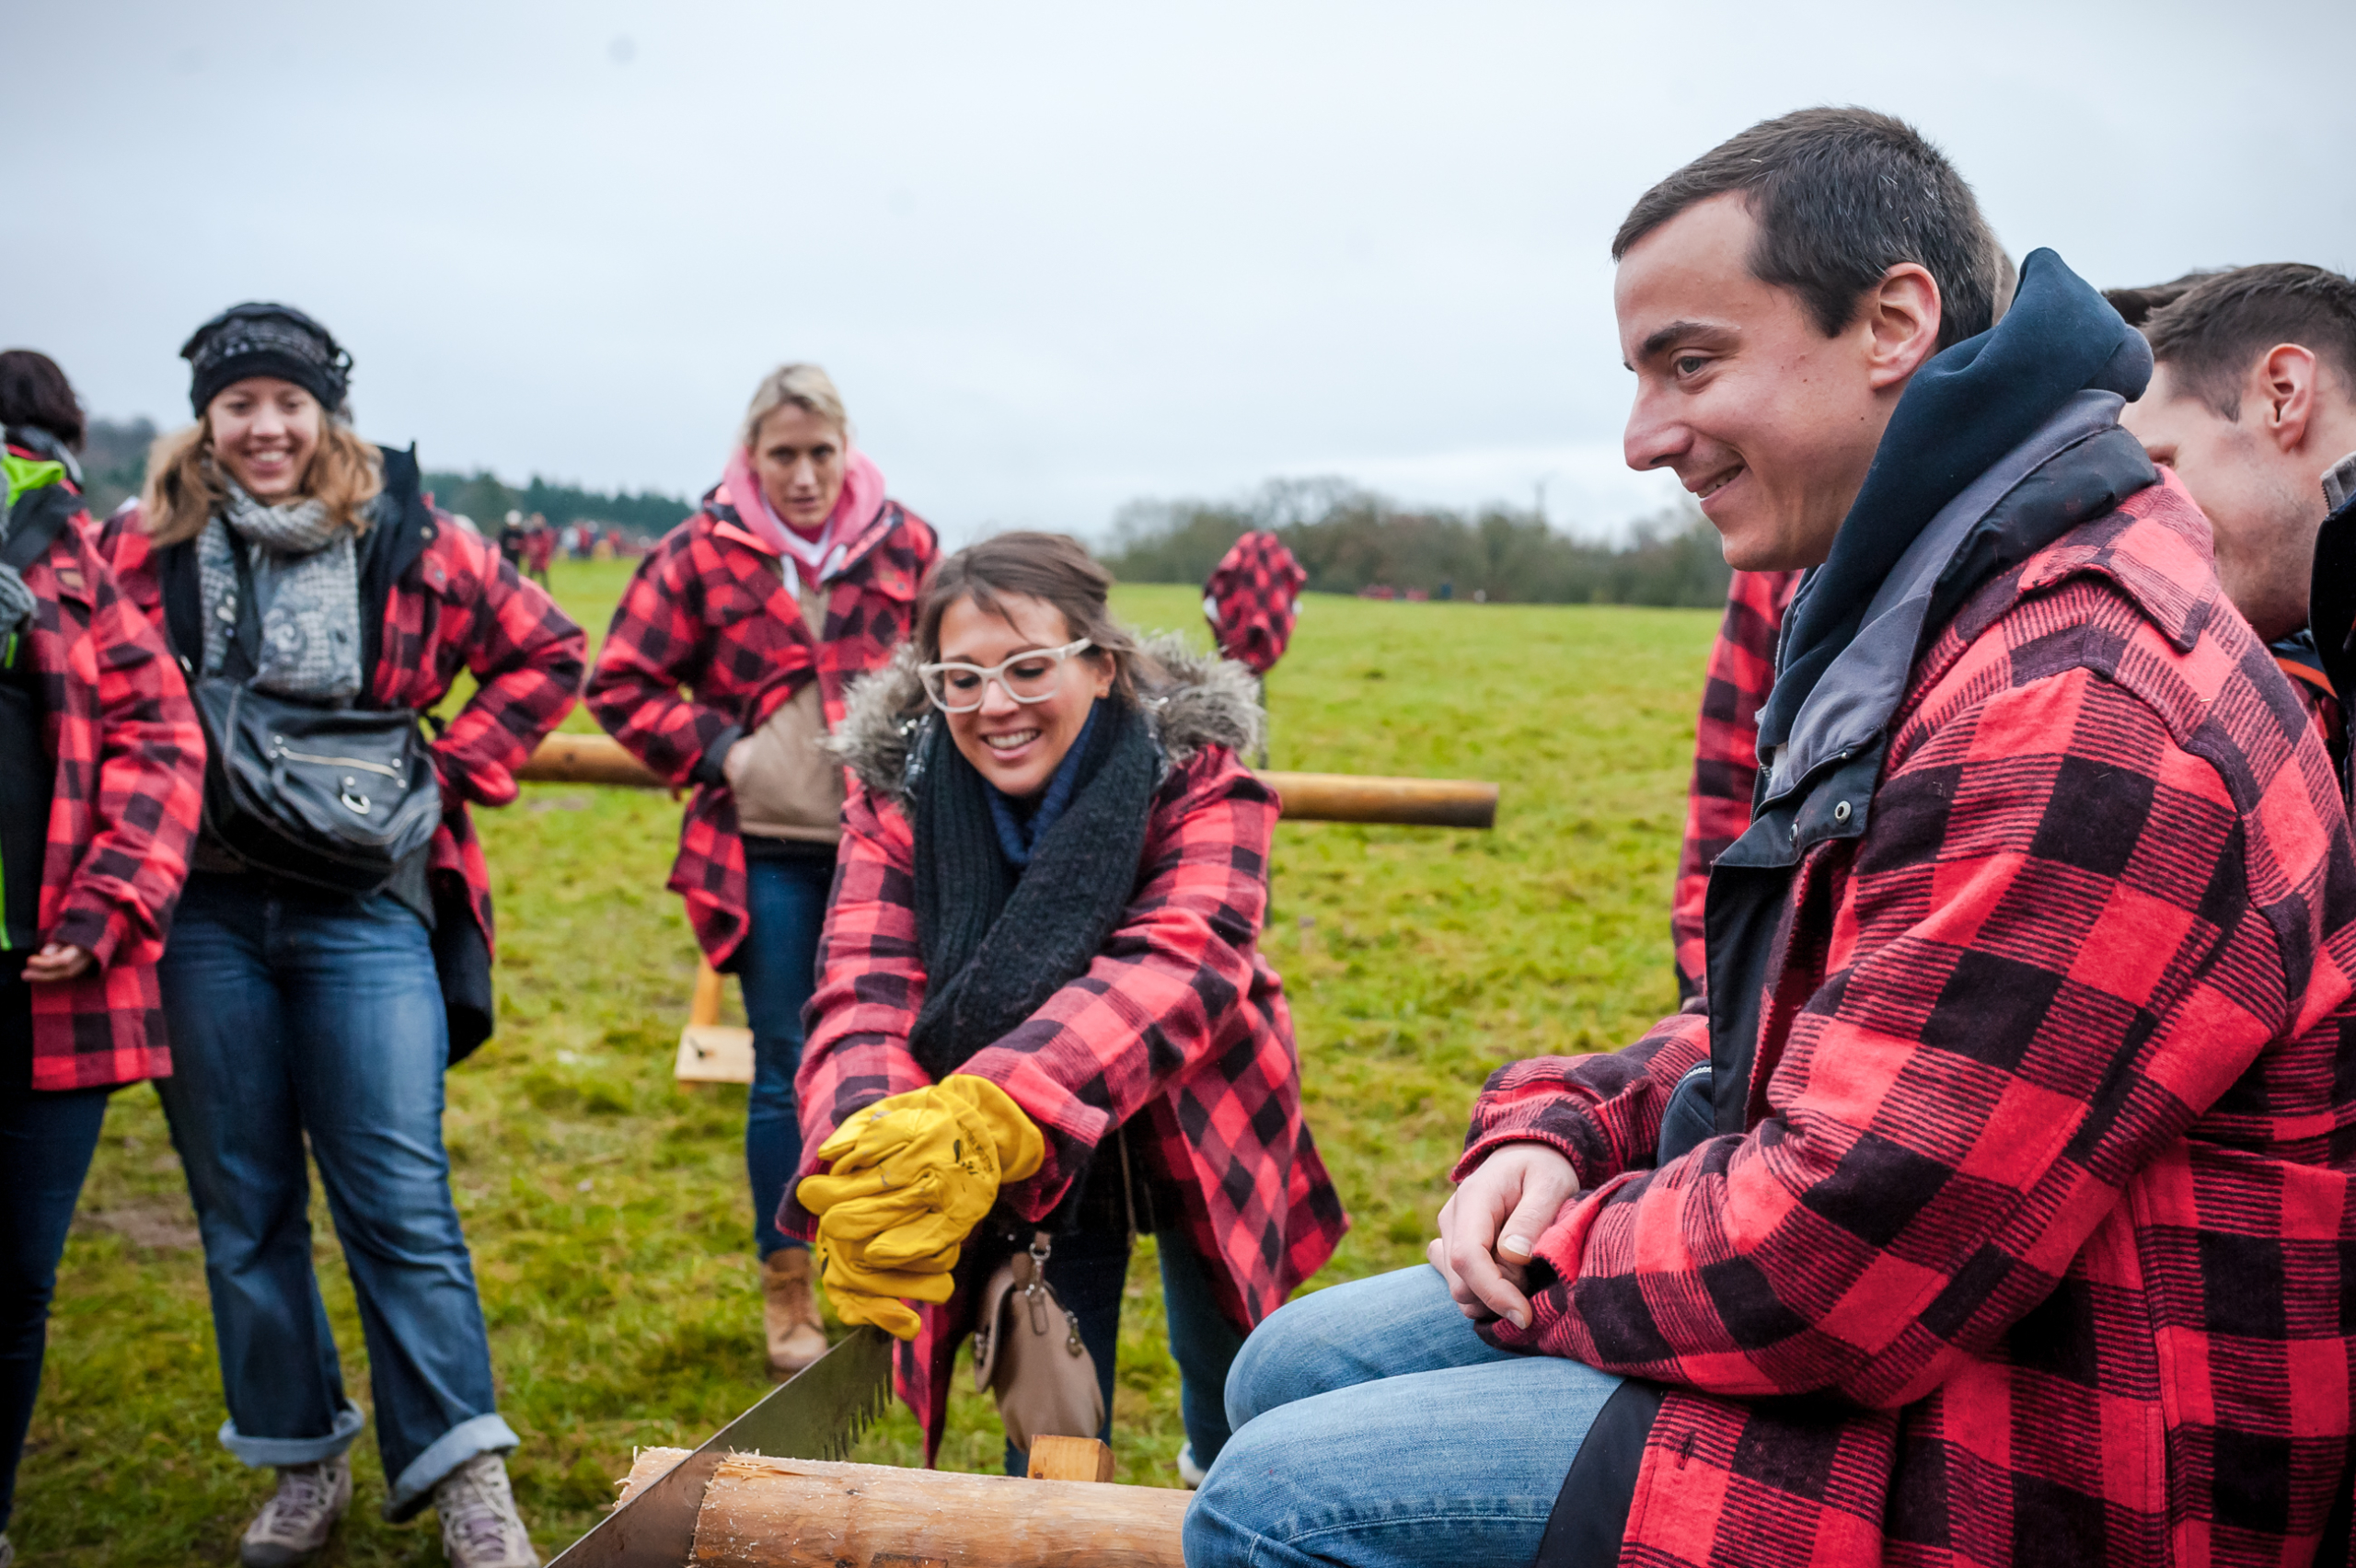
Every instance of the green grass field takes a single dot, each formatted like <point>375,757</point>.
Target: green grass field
<point>606,1205</point>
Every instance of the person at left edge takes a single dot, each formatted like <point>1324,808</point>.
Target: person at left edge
<point>797,574</point>
<point>298,1014</point>
<point>101,771</point>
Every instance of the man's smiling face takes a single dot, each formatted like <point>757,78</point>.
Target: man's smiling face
<point>1771,423</point>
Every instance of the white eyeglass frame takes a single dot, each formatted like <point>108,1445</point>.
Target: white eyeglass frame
<point>998,673</point>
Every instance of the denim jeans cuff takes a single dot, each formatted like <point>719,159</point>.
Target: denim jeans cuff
<point>475,1435</point>
<point>259,1452</point>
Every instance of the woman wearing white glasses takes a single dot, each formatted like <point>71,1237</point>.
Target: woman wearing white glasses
<point>1042,1021</point>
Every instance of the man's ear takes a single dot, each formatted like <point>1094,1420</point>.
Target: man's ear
<point>1901,317</point>
<point>2283,383</point>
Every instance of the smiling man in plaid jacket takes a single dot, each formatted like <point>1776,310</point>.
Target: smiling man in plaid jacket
<point>2022,1229</point>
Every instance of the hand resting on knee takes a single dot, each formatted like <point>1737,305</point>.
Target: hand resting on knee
<point>1491,1224</point>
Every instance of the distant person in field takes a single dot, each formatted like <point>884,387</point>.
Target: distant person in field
<point>797,574</point>
<point>1251,601</point>
<point>2015,1230</point>
<point>539,549</point>
<point>279,552</point>
<point>2253,407</point>
<point>1043,950</point>
<point>101,783</point>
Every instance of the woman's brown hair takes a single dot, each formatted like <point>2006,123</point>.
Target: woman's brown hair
<point>1053,568</point>
<point>186,486</point>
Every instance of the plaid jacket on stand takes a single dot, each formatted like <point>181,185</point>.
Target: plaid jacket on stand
<point>2037,1246</point>
<point>1255,589</point>
<point>129,792</point>
<point>708,609</point>
<point>1726,750</point>
<point>1178,1029</point>
<point>456,606</point>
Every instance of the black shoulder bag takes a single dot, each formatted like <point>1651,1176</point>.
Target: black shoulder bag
<point>334,798</point>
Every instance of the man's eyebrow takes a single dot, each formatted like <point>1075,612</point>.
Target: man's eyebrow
<point>1701,333</point>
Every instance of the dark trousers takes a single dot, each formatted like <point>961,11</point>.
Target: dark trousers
<point>778,967</point>
<point>46,1141</point>
<point>1086,1271</point>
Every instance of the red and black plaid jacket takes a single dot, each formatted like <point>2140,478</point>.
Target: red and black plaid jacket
<point>1179,1030</point>
<point>2038,1245</point>
<point>708,609</point>
<point>130,789</point>
<point>1726,752</point>
<point>458,606</point>
<point>1255,589</point>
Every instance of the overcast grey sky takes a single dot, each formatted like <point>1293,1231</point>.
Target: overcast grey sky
<point>1058,256</point>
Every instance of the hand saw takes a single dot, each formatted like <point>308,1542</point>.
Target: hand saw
<point>815,1415</point>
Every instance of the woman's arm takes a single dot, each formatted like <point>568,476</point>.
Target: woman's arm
<point>150,780</point>
<point>657,643</point>
<point>526,657</point>
<point>1166,993</point>
<point>870,985</point>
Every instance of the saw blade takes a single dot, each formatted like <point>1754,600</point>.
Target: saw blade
<point>816,1414</point>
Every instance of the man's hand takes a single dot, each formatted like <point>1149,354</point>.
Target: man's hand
<point>56,961</point>
<point>1491,1224</point>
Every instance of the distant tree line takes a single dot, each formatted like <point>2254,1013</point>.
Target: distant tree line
<point>114,467</point>
<point>1349,538</point>
<point>114,462</point>
<point>488,499</point>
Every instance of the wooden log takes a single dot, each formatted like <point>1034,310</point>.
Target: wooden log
<point>762,1513</point>
<point>587,759</point>
<point>1404,803</point>
<point>1307,797</point>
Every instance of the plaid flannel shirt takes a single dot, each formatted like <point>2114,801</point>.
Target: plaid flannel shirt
<point>1256,590</point>
<point>458,606</point>
<point>708,609</point>
<point>1178,1029</point>
<point>2036,1247</point>
<point>1726,752</point>
<point>130,788</point>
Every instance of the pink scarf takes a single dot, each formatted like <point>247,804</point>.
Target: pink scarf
<point>858,506</point>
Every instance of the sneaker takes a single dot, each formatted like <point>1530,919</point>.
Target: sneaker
<point>295,1522</point>
<point>1190,1475</point>
<point>7,1552</point>
<point>480,1525</point>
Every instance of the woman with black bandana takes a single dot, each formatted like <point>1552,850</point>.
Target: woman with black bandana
<point>286,556</point>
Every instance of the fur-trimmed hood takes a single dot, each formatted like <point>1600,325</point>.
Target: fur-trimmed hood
<point>1191,700</point>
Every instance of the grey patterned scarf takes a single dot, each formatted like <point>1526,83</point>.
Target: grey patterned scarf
<point>306,588</point>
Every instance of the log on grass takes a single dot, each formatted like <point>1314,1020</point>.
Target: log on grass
<point>1307,797</point>
<point>763,1513</point>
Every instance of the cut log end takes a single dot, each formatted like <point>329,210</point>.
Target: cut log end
<point>1071,1458</point>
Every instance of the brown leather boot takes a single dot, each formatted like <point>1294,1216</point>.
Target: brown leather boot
<point>797,1335</point>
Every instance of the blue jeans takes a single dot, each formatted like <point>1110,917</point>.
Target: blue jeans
<point>46,1141</point>
<point>778,967</point>
<point>1088,1271</point>
<point>292,1015</point>
<point>1374,1429</point>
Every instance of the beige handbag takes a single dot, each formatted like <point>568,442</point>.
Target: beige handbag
<point>1028,1353</point>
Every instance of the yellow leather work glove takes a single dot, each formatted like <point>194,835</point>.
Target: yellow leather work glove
<point>912,1175</point>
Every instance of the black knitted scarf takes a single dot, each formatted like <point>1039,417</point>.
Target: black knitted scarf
<point>997,942</point>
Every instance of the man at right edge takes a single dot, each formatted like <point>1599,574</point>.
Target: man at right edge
<point>2015,1231</point>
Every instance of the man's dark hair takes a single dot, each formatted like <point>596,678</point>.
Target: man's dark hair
<point>2210,334</point>
<point>1841,196</point>
<point>2135,306</point>
<point>34,392</point>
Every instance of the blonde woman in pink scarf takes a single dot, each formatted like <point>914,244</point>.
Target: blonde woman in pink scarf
<point>797,576</point>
